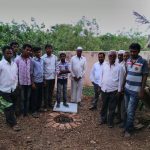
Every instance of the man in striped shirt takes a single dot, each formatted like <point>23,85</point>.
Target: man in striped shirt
<point>62,70</point>
<point>136,76</point>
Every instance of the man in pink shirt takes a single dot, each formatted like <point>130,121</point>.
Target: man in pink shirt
<point>24,68</point>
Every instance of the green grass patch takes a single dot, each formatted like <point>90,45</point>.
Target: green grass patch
<point>88,91</point>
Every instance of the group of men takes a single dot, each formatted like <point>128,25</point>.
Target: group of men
<point>119,81</point>
<point>28,78</point>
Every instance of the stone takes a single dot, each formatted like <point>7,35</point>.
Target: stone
<point>61,126</point>
<point>49,124</point>
<point>139,126</point>
<point>78,123</point>
<point>50,120</point>
<point>55,125</point>
<point>54,114</point>
<point>92,142</point>
<point>68,126</point>
<point>77,120</point>
<point>28,139</point>
<point>73,124</point>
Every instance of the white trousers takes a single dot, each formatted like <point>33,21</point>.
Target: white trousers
<point>76,90</point>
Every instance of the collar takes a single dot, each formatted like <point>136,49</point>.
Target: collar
<point>6,62</point>
<point>139,57</point>
<point>80,57</point>
<point>49,56</point>
<point>100,63</point>
<point>112,64</point>
<point>37,59</point>
<point>62,63</point>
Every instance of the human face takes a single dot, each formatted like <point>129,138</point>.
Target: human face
<point>38,54</point>
<point>15,48</point>
<point>79,52</point>
<point>27,51</point>
<point>134,53</point>
<point>62,58</point>
<point>112,58</point>
<point>126,56</point>
<point>8,54</point>
<point>101,58</point>
<point>49,51</point>
<point>120,57</point>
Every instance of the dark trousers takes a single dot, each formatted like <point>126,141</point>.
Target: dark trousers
<point>61,89</point>
<point>97,92</point>
<point>25,98</point>
<point>108,106</point>
<point>48,92</point>
<point>120,109</point>
<point>10,111</point>
<point>18,102</point>
<point>36,101</point>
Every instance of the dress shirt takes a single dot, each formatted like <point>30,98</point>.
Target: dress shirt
<point>112,77</point>
<point>8,76</point>
<point>62,67</point>
<point>37,70</point>
<point>78,66</point>
<point>123,64</point>
<point>24,69</point>
<point>95,75</point>
<point>50,63</point>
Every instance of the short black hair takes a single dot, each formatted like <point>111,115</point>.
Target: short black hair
<point>135,46</point>
<point>62,54</point>
<point>48,46</point>
<point>26,45</point>
<point>101,53</point>
<point>14,43</point>
<point>35,49</point>
<point>5,48</point>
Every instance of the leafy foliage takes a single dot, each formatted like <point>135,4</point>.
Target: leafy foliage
<point>67,36</point>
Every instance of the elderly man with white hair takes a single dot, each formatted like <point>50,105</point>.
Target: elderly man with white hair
<point>78,68</point>
<point>111,86</point>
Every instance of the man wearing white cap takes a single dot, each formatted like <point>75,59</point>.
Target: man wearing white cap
<point>78,68</point>
<point>121,97</point>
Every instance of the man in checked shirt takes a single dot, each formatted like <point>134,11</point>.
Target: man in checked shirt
<point>62,70</point>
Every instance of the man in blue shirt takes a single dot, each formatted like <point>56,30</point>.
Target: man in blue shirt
<point>136,76</point>
<point>37,81</point>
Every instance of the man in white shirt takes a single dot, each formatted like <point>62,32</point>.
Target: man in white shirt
<point>8,84</point>
<point>49,67</point>
<point>119,115</point>
<point>111,86</point>
<point>95,78</point>
<point>78,68</point>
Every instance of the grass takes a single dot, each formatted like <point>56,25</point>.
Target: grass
<point>88,91</point>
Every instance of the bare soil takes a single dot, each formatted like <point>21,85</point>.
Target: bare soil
<point>88,136</point>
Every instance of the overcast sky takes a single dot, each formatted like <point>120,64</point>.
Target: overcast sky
<point>111,15</point>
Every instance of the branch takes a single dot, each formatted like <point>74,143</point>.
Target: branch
<point>141,18</point>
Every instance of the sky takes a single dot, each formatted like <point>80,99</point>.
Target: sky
<point>111,15</point>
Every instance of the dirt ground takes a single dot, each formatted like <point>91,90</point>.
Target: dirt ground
<point>88,136</point>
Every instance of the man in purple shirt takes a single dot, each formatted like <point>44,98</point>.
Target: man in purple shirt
<point>24,68</point>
